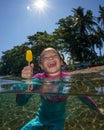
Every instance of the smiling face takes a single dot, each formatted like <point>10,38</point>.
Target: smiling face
<point>50,61</point>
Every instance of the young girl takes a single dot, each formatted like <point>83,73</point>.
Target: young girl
<point>51,113</point>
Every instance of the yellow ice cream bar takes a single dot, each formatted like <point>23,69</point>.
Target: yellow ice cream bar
<point>29,56</point>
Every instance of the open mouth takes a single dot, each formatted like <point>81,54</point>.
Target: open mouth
<point>51,65</point>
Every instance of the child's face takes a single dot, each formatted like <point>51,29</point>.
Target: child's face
<point>50,62</point>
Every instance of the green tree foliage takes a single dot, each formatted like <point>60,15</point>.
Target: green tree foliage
<point>13,60</point>
<point>100,29</point>
<point>75,33</point>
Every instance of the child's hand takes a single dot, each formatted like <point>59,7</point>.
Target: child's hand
<point>27,71</point>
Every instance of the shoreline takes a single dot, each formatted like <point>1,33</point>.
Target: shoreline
<point>96,69</point>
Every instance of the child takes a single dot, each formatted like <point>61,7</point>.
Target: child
<point>52,113</point>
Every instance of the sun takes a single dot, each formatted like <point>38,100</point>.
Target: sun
<point>40,5</point>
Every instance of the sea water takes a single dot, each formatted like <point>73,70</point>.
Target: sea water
<point>79,115</point>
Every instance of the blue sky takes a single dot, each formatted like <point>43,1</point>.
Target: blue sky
<point>19,18</point>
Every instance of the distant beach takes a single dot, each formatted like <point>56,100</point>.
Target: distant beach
<point>96,69</point>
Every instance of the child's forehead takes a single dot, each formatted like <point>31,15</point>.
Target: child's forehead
<point>50,51</point>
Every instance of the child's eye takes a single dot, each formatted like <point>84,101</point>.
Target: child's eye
<point>45,57</point>
<point>55,55</point>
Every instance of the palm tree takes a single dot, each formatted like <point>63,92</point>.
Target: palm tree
<point>100,32</point>
<point>99,36</point>
<point>101,17</point>
<point>84,25</point>
<point>84,22</point>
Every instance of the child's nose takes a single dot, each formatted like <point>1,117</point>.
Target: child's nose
<point>51,57</point>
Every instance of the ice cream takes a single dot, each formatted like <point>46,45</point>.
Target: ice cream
<point>29,56</point>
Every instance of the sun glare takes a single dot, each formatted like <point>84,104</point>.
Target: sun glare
<point>40,5</point>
